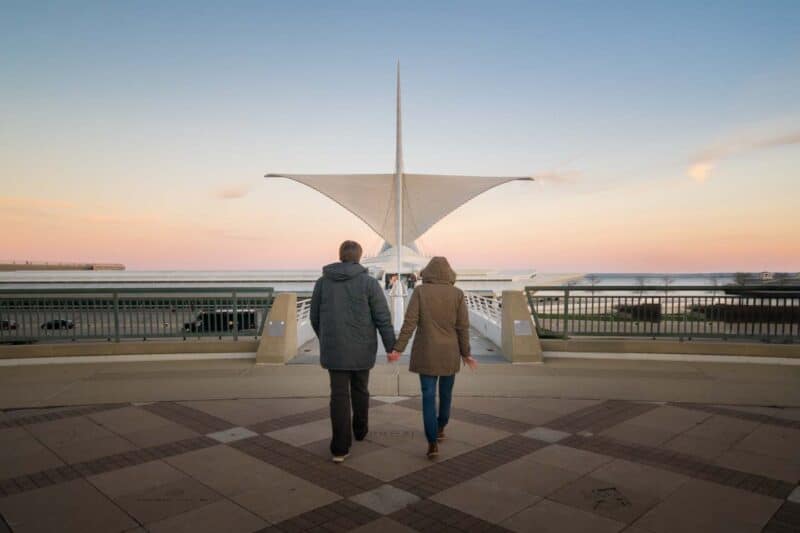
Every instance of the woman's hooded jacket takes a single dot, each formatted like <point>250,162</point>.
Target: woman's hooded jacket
<point>438,312</point>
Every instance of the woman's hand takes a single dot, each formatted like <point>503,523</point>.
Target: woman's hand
<point>470,362</point>
<point>393,356</point>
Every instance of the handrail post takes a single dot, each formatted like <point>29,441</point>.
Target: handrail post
<point>566,312</point>
<point>235,318</point>
<point>116,317</point>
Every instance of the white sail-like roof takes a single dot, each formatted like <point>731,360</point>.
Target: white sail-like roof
<point>427,198</point>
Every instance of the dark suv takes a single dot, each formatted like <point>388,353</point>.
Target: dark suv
<point>58,323</point>
<point>222,320</point>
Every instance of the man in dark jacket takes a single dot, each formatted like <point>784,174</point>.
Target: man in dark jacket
<point>347,306</point>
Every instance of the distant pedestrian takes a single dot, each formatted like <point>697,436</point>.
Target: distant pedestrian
<point>347,306</point>
<point>438,312</point>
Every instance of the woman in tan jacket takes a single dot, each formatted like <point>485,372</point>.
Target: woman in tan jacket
<point>438,312</point>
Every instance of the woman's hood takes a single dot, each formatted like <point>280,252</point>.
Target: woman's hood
<point>438,271</point>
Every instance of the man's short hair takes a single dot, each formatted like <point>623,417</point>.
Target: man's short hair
<point>350,252</point>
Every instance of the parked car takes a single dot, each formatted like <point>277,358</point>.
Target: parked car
<point>647,312</point>
<point>58,323</point>
<point>8,324</point>
<point>222,320</point>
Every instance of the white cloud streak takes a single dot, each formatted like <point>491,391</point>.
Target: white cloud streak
<point>233,192</point>
<point>702,165</point>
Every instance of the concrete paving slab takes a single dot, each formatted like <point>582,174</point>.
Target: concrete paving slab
<point>222,515</point>
<point>704,448</point>
<point>669,418</point>
<point>156,504</point>
<point>24,456</point>
<point>386,499</point>
<point>488,500</point>
<point>546,434</point>
<point>704,507</point>
<point>232,435</point>
<point>764,465</point>
<point>304,433</point>
<point>170,432</point>
<point>553,517</point>
<point>73,507</point>
<point>383,525</point>
<point>285,498</point>
<point>387,464</point>
<point>227,470</point>
<point>774,441</point>
<point>611,500</point>
<point>530,476</point>
<point>390,399</point>
<point>579,461</point>
<point>136,479</point>
<point>633,433</point>
<point>654,481</point>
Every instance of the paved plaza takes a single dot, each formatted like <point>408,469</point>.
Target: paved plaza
<point>508,464</point>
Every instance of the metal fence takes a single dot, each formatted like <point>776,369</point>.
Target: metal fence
<point>673,311</point>
<point>104,313</point>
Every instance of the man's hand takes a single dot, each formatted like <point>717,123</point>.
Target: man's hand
<point>470,362</point>
<point>393,356</point>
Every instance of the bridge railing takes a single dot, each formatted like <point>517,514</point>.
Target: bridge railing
<point>768,313</point>
<point>304,330</point>
<point>133,313</point>
<point>485,315</point>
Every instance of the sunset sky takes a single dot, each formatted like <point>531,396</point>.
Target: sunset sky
<point>668,134</point>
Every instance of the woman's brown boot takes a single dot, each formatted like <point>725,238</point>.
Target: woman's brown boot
<point>433,450</point>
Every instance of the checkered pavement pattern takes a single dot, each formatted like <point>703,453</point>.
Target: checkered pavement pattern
<point>507,464</point>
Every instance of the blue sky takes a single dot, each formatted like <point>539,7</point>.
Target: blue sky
<point>138,112</point>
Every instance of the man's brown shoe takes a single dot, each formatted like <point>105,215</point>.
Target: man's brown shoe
<point>440,435</point>
<point>433,450</point>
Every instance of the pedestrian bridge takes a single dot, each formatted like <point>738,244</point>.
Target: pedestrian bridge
<point>154,322</point>
<point>289,338</point>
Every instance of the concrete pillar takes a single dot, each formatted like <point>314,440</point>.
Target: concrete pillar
<point>520,341</point>
<point>278,342</point>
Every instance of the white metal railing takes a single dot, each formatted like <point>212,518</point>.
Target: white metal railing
<point>488,307</point>
<point>304,330</point>
<point>486,315</point>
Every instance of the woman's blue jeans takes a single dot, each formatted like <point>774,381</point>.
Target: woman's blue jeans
<point>429,416</point>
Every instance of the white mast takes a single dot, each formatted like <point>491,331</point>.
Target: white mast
<point>398,174</point>
<point>399,293</point>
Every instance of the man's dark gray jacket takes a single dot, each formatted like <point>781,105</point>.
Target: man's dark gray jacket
<point>347,306</point>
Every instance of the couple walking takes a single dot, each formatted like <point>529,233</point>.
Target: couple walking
<point>348,306</point>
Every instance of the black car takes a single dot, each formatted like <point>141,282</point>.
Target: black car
<point>58,323</point>
<point>222,320</point>
<point>8,324</point>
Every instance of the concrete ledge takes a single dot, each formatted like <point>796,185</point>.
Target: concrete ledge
<point>670,346</point>
<point>589,345</point>
<point>77,349</point>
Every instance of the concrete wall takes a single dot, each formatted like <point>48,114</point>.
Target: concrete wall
<point>75,349</point>
<point>488,328</point>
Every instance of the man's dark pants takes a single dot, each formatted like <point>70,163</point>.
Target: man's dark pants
<point>347,386</point>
